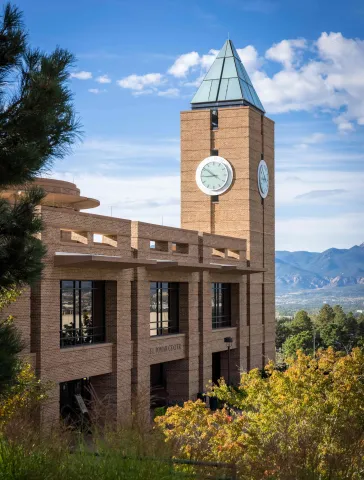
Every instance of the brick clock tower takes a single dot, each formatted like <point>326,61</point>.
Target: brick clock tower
<point>227,186</point>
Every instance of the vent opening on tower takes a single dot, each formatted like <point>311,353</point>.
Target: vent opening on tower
<point>214,119</point>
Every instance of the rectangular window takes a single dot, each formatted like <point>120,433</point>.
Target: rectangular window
<point>164,308</point>
<point>82,312</point>
<point>221,305</point>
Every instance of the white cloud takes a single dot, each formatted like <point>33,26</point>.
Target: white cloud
<point>139,82</point>
<point>188,62</point>
<point>81,75</point>
<point>297,192</point>
<point>316,137</point>
<point>250,58</point>
<point>138,93</point>
<point>184,63</point>
<point>325,75</point>
<point>319,233</point>
<point>96,91</point>
<point>207,60</point>
<point>103,79</point>
<point>313,139</point>
<point>170,92</point>
<point>331,78</point>
<point>285,52</point>
<point>119,149</point>
<point>148,199</point>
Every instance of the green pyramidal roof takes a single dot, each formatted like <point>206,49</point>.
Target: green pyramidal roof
<point>226,83</point>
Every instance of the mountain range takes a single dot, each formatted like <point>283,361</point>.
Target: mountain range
<point>310,270</point>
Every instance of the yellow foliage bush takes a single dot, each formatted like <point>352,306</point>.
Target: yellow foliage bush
<point>24,395</point>
<point>304,423</point>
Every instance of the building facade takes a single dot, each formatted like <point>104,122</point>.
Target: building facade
<point>138,315</point>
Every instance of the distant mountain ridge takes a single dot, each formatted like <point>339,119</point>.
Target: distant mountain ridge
<point>311,270</point>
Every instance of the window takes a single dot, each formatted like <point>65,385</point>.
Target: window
<point>164,308</point>
<point>221,305</point>
<point>82,312</point>
<point>214,119</point>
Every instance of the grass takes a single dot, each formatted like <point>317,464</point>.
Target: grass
<point>120,455</point>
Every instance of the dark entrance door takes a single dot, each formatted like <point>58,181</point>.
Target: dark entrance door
<point>158,391</point>
<point>216,366</point>
<point>75,399</point>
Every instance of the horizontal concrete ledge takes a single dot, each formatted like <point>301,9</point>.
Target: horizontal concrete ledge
<point>170,337</point>
<point>99,261</point>
<point>86,347</point>
<point>64,259</point>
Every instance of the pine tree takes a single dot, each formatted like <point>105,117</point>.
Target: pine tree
<point>37,125</point>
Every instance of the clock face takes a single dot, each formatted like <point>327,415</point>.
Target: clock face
<point>263,179</point>
<point>214,175</point>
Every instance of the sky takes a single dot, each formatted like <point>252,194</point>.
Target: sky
<point>139,64</point>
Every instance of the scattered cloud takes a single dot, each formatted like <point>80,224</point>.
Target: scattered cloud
<point>103,79</point>
<point>96,91</point>
<point>250,58</point>
<point>315,194</point>
<point>145,198</point>
<point>170,92</point>
<point>81,75</point>
<point>324,75</point>
<point>184,63</point>
<point>316,137</point>
<point>331,78</point>
<point>139,82</point>
<point>286,52</point>
<point>119,150</point>
<point>317,234</point>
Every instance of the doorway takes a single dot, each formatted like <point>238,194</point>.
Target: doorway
<point>75,401</point>
<point>216,366</point>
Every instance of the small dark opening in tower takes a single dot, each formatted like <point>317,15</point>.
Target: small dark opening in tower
<point>215,199</point>
<point>214,153</point>
<point>214,119</point>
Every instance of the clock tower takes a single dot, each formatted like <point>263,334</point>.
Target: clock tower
<point>227,121</point>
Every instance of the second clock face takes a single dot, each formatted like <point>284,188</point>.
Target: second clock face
<point>214,175</point>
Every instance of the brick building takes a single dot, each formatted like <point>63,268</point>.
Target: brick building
<point>126,308</point>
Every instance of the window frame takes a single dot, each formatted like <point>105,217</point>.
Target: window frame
<point>79,338</point>
<point>173,326</point>
<point>219,319</point>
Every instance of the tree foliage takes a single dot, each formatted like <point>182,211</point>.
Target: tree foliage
<point>11,343</point>
<point>331,327</point>
<point>304,423</point>
<point>37,125</point>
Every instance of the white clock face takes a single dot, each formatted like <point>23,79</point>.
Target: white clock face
<point>263,179</point>
<point>214,175</point>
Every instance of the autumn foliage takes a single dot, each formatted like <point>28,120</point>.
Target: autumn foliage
<point>304,423</point>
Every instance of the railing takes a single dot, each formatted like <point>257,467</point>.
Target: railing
<point>221,321</point>
<point>71,337</point>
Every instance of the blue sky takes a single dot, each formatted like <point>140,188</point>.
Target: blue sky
<point>138,64</point>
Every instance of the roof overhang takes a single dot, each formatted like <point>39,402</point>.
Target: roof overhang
<point>99,261</point>
<point>64,259</point>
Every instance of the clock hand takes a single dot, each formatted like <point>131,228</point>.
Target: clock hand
<point>210,172</point>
